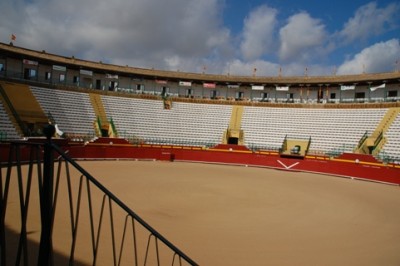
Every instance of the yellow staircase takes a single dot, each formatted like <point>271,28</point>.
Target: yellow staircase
<point>27,109</point>
<point>98,107</point>
<point>102,126</point>
<point>234,134</point>
<point>387,120</point>
<point>374,143</point>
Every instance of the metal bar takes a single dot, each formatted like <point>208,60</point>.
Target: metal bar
<point>75,224</point>
<point>54,203</point>
<point>134,241</point>
<point>70,198</point>
<point>112,231</point>
<point>157,252</point>
<point>46,205</point>
<point>58,177</point>
<point>179,259</point>
<point>103,204</point>
<point>123,240</point>
<point>124,207</point>
<point>147,249</point>
<point>23,247</point>
<point>91,222</point>
<point>4,200</point>
<point>21,251</point>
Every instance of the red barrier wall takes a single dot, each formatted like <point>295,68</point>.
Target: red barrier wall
<point>347,165</point>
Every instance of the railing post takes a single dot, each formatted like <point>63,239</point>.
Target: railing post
<point>46,200</point>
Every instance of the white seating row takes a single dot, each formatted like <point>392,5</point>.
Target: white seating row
<point>7,130</point>
<point>184,122</point>
<point>392,135</point>
<point>72,111</point>
<point>328,128</point>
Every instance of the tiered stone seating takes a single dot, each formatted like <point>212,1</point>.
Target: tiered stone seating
<point>7,130</point>
<point>391,149</point>
<point>72,111</point>
<point>329,129</point>
<point>195,124</point>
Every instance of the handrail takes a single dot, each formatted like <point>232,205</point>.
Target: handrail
<point>308,145</point>
<point>362,140</point>
<point>121,204</point>
<point>114,128</point>
<point>49,186</point>
<point>378,139</point>
<point>378,143</point>
<point>99,123</point>
<point>284,144</point>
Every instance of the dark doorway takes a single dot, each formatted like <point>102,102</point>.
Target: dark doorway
<point>112,86</point>
<point>289,97</point>
<point>239,95</point>
<point>234,141</point>
<point>320,95</point>
<point>29,73</point>
<point>213,94</point>
<point>98,84</point>
<point>104,132</point>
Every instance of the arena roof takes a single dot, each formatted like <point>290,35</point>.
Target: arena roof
<point>74,63</point>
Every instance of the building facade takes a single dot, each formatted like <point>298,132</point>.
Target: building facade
<point>44,68</point>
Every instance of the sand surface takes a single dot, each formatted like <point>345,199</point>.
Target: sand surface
<point>235,215</point>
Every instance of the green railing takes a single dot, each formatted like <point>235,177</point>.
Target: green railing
<point>114,128</point>
<point>362,140</point>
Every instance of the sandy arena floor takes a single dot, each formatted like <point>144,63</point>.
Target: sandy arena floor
<point>234,215</point>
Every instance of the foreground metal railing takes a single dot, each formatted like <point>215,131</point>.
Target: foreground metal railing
<point>53,212</point>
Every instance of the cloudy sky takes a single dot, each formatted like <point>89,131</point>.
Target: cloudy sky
<point>215,36</point>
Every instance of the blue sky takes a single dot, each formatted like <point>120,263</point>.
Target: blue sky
<point>215,36</point>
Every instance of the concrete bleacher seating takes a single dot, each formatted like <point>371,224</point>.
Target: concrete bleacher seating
<point>7,130</point>
<point>198,124</point>
<point>72,111</point>
<point>329,129</point>
<point>391,149</point>
<point>204,124</point>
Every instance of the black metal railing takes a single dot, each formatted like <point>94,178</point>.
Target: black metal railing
<point>53,212</point>
<point>362,140</point>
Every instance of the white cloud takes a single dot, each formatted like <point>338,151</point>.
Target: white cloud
<point>142,33</point>
<point>380,57</point>
<point>301,38</point>
<point>188,35</point>
<point>369,20</point>
<point>258,32</point>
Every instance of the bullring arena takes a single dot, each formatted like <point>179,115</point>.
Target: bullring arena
<point>231,170</point>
